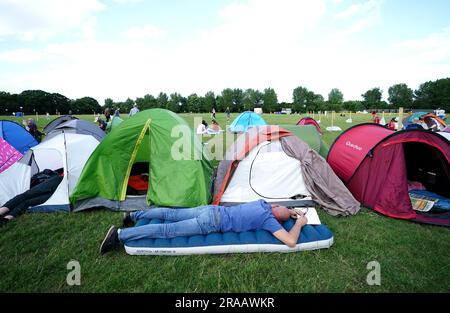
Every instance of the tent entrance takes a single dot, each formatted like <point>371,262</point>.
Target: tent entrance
<point>137,184</point>
<point>427,165</point>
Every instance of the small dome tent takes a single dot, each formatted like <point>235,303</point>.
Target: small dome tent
<point>8,155</point>
<point>310,121</point>
<point>408,120</point>
<point>377,164</point>
<point>16,136</point>
<point>77,126</point>
<point>269,162</point>
<point>144,145</point>
<point>56,122</point>
<point>67,151</point>
<point>245,120</point>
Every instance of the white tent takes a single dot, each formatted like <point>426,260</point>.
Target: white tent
<point>267,172</point>
<point>66,150</point>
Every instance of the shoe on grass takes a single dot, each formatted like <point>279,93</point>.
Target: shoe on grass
<point>3,221</point>
<point>126,220</point>
<point>111,240</point>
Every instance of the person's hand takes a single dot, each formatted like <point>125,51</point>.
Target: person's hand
<point>293,214</point>
<point>301,219</point>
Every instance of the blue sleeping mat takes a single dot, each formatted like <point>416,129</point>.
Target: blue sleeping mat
<point>311,238</point>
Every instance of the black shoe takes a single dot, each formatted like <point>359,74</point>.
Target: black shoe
<point>3,221</point>
<point>111,240</point>
<point>126,220</point>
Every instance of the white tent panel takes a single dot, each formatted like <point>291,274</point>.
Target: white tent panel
<point>445,135</point>
<point>273,174</point>
<point>14,181</point>
<point>77,149</point>
<point>78,152</point>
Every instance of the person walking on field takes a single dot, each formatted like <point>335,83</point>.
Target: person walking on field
<point>256,215</point>
<point>134,110</point>
<point>227,111</point>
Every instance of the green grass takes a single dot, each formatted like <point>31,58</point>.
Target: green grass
<point>36,248</point>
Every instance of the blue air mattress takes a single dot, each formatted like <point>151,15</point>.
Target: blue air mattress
<point>311,238</point>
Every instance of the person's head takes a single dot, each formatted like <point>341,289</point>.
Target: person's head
<point>214,122</point>
<point>135,105</point>
<point>281,213</point>
<point>204,123</point>
<point>30,121</point>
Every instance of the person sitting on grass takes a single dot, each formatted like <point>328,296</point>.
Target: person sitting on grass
<point>256,215</point>
<point>43,185</point>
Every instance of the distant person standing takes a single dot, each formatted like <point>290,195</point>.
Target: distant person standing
<point>117,112</point>
<point>33,130</point>
<point>134,110</point>
<point>227,111</point>
<point>391,124</point>
<point>213,114</point>
<point>107,114</point>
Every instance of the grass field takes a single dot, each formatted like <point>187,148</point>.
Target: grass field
<point>35,250</point>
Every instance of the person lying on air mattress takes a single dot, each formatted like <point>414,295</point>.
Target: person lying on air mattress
<point>256,215</point>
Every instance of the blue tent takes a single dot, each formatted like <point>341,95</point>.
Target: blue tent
<point>245,120</point>
<point>16,136</point>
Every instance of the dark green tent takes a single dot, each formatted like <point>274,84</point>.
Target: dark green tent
<point>152,138</point>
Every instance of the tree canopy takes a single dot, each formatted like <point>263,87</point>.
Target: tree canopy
<point>429,95</point>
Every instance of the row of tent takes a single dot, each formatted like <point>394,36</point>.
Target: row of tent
<point>367,164</point>
<point>249,119</point>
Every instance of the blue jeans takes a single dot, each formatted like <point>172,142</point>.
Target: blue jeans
<point>186,222</point>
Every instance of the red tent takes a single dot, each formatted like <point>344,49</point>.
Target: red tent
<point>376,164</point>
<point>310,121</point>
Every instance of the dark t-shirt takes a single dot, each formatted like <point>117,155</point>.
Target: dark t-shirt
<point>249,216</point>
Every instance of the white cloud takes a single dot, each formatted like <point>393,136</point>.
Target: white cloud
<point>127,1</point>
<point>145,32</point>
<point>366,14</point>
<point>255,44</point>
<point>20,55</point>
<point>31,20</point>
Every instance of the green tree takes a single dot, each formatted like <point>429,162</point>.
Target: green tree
<point>162,100</point>
<point>335,100</point>
<point>109,103</point>
<point>225,100</point>
<point>176,103</point>
<point>238,100</point>
<point>86,105</point>
<point>270,99</point>
<point>433,95</point>
<point>400,95</point>
<point>372,98</point>
<point>252,98</point>
<point>300,97</point>
<point>193,103</point>
<point>209,102</point>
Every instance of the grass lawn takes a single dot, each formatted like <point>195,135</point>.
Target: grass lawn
<point>35,250</point>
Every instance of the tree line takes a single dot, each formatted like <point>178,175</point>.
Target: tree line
<point>429,95</point>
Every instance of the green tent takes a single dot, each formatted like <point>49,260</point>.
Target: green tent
<point>310,135</point>
<point>152,138</point>
<point>113,123</point>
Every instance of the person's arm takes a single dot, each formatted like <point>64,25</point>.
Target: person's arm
<point>290,238</point>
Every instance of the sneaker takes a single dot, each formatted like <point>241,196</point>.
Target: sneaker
<point>3,221</point>
<point>126,220</point>
<point>111,240</point>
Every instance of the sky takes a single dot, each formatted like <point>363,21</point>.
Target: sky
<point>123,49</point>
